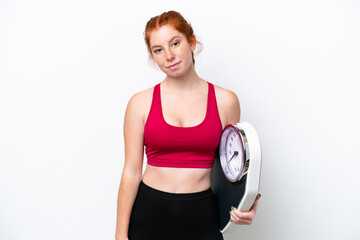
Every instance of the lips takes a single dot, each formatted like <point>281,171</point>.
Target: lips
<point>174,65</point>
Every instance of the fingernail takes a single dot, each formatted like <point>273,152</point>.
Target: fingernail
<point>230,212</point>
<point>232,208</point>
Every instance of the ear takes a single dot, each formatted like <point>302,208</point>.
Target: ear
<point>193,42</point>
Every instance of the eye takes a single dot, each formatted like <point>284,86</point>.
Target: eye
<point>176,43</point>
<point>157,50</point>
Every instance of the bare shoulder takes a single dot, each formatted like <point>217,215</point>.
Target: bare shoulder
<point>139,104</point>
<point>228,105</point>
<point>225,96</point>
<point>141,98</point>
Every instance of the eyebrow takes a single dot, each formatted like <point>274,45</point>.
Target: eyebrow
<point>155,46</point>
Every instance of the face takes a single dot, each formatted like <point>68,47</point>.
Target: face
<point>171,51</point>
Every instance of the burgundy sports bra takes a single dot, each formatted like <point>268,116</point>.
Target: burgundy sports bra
<point>182,147</point>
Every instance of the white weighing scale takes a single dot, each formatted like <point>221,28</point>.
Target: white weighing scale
<point>235,177</point>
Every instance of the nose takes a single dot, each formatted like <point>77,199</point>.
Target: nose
<point>169,55</point>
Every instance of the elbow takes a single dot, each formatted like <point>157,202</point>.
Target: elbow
<point>131,174</point>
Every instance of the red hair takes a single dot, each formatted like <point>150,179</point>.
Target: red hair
<point>176,20</point>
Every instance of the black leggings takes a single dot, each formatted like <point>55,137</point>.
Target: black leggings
<point>159,215</point>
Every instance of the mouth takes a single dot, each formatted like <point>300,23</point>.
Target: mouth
<point>174,65</point>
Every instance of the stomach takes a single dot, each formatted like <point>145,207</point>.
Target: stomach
<point>177,180</point>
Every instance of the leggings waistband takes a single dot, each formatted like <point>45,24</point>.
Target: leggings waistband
<point>175,196</point>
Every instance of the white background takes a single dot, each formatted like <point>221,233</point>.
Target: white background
<point>68,69</point>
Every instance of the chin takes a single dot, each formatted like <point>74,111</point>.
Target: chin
<point>176,75</point>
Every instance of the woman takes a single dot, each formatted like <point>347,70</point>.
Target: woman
<point>179,121</point>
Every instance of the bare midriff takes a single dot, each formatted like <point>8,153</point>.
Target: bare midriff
<point>177,180</point>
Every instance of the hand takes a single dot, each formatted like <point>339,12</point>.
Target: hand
<point>244,218</point>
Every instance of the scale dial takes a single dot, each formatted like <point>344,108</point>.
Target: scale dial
<point>235,178</point>
<point>232,153</point>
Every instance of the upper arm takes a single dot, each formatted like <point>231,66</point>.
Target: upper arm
<point>134,134</point>
<point>228,106</point>
<point>233,108</point>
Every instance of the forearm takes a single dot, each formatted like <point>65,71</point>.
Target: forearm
<point>126,197</point>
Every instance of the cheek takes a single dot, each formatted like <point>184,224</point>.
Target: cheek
<point>188,52</point>
<point>158,60</point>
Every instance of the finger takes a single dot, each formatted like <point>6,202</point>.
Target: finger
<point>245,218</point>
<point>249,215</point>
<point>234,217</point>
<point>252,209</point>
<point>255,205</point>
<point>258,197</point>
<point>240,221</point>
